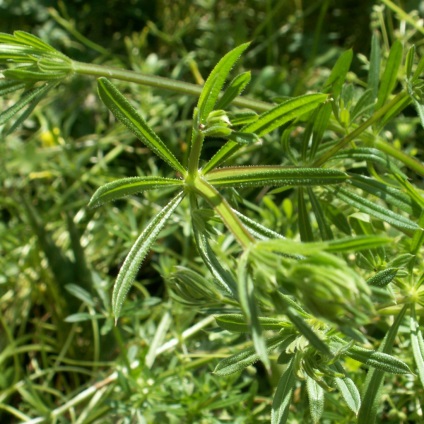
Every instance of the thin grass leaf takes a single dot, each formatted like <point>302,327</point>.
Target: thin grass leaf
<point>347,388</point>
<point>390,195</point>
<point>138,252</point>
<point>389,78</point>
<point>373,209</point>
<point>373,385</point>
<point>245,358</point>
<point>379,360</point>
<point>26,99</point>
<point>417,343</point>
<point>356,244</point>
<point>316,399</point>
<point>372,155</point>
<point>338,74</point>
<point>257,230</point>
<point>324,228</point>
<point>274,176</point>
<point>306,330</point>
<point>282,397</point>
<point>285,112</point>
<point>224,277</point>
<point>28,39</point>
<point>215,82</point>
<point>234,89</point>
<point>128,186</point>
<point>374,69</point>
<point>126,113</point>
<point>7,87</point>
<point>248,303</point>
<point>237,323</point>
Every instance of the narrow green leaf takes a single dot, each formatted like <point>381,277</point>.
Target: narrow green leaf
<point>282,397</point>
<point>382,278</point>
<point>380,360</point>
<point>374,69</point>
<point>81,294</point>
<point>81,317</point>
<point>390,195</point>
<point>368,154</point>
<point>215,82</point>
<point>7,87</point>
<point>284,112</point>
<point>373,209</point>
<point>224,277</point>
<point>128,186</point>
<point>324,228</point>
<point>356,244</point>
<point>316,399</point>
<point>389,78</point>
<point>363,106</point>
<point>348,389</point>
<point>237,323</point>
<point>33,41</point>
<point>242,137</point>
<point>249,306</point>
<point>234,89</point>
<point>290,247</point>
<point>138,252</point>
<point>245,358</point>
<point>25,99</point>
<point>126,113</point>
<point>338,74</point>
<point>305,225</point>
<point>306,330</point>
<point>32,74</point>
<point>409,61</point>
<point>371,395</point>
<point>419,69</point>
<point>274,176</point>
<point>417,343</point>
<point>319,126</point>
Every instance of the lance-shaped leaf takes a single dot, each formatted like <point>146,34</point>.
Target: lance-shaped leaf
<point>373,209</point>
<point>389,78</point>
<point>282,397</point>
<point>245,358</point>
<point>379,360</point>
<point>417,343</point>
<point>390,195</point>
<point>249,305</point>
<point>382,278</point>
<point>347,388</point>
<point>274,176</point>
<point>215,82</point>
<point>234,89</point>
<point>127,186</point>
<point>316,399</point>
<point>138,252</point>
<point>125,112</point>
<point>237,323</point>
<point>338,74</point>
<point>285,112</point>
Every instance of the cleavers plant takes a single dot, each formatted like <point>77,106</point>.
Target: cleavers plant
<point>305,302</point>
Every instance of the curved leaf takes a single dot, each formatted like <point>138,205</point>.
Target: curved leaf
<point>127,186</point>
<point>138,252</point>
<point>125,112</point>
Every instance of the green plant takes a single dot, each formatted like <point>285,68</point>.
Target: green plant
<point>297,299</point>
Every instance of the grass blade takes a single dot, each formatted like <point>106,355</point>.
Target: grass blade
<point>138,252</point>
<point>126,113</point>
<point>127,186</point>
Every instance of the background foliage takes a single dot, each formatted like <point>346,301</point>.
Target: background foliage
<point>59,259</point>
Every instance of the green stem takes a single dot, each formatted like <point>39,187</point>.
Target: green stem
<point>220,205</point>
<point>159,82</point>
<point>361,128</point>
